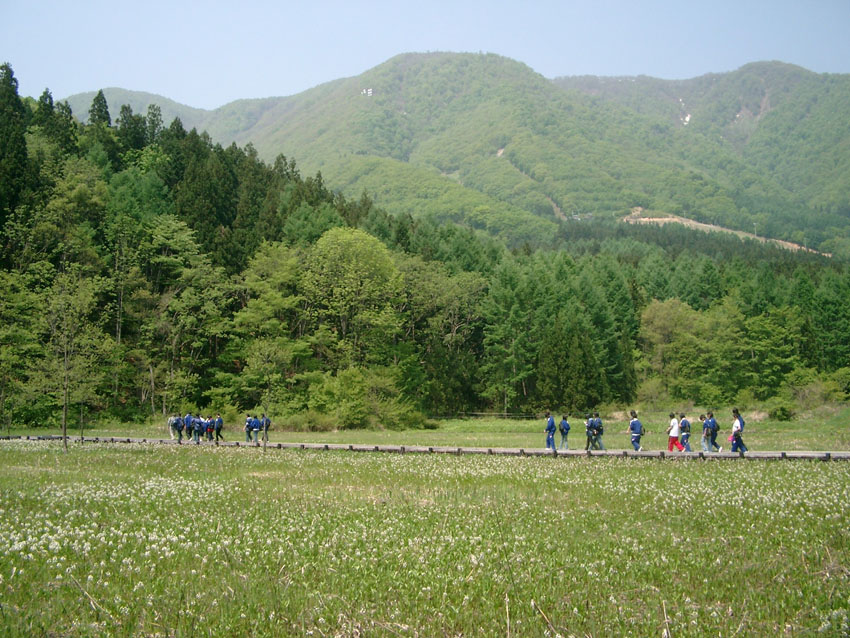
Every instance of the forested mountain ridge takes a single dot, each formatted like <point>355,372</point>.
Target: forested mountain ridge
<point>487,141</point>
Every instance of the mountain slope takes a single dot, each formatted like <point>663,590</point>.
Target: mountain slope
<point>485,140</point>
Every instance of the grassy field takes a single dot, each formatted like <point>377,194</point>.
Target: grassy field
<point>183,541</point>
<point>827,429</point>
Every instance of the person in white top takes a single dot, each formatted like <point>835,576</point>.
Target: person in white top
<point>737,430</point>
<point>673,434</point>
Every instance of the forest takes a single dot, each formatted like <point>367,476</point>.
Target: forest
<point>147,270</point>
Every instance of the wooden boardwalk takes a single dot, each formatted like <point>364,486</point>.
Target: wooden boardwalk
<point>459,451</point>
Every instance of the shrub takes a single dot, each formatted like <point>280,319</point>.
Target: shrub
<point>780,410</point>
<point>309,421</point>
<point>841,379</point>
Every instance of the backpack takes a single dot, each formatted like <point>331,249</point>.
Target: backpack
<point>741,419</point>
<point>685,425</point>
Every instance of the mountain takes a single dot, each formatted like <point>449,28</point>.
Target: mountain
<point>139,101</point>
<point>485,140</point>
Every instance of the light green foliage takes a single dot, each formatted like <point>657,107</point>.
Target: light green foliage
<point>306,224</point>
<point>72,373</point>
<point>21,351</point>
<point>352,286</point>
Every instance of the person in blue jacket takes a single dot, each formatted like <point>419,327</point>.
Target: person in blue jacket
<point>187,423</point>
<point>178,427</point>
<point>199,427</point>
<point>597,432</point>
<point>256,426</point>
<point>265,423</point>
<point>550,431</point>
<point>219,423</point>
<point>636,430</point>
<point>711,422</point>
<point>564,426</point>
<point>684,432</point>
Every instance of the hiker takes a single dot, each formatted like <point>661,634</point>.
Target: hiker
<point>247,428</point>
<point>187,422</point>
<point>714,429</point>
<point>706,433</point>
<point>209,425</point>
<point>255,429</point>
<point>737,431</point>
<point>564,426</point>
<point>636,430</point>
<point>673,434</point>
<point>219,423</point>
<point>199,426</point>
<point>685,432</point>
<point>178,427</point>
<point>597,432</point>
<point>589,430</point>
<point>265,423</point>
<point>550,431</point>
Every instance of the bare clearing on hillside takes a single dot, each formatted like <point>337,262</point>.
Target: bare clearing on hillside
<point>636,217</point>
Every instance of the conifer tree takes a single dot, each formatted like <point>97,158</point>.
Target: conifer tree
<point>99,111</point>
<point>13,145</point>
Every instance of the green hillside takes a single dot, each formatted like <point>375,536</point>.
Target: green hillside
<point>139,101</point>
<point>485,140</point>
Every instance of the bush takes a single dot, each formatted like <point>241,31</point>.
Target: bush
<point>807,390</point>
<point>651,393</point>
<point>841,379</point>
<point>359,398</point>
<point>780,410</point>
<point>309,421</point>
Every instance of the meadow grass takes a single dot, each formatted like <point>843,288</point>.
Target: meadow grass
<point>184,541</point>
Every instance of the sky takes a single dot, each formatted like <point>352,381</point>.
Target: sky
<point>208,53</point>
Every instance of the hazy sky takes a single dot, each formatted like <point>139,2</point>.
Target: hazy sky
<point>206,54</point>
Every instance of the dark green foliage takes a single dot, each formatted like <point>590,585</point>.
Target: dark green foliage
<point>99,111</point>
<point>13,147</point>
<point>132,129</point>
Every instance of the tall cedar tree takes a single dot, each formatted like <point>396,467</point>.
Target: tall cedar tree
<point>13,145</point>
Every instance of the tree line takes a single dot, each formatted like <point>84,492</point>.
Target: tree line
<point>147,270</point>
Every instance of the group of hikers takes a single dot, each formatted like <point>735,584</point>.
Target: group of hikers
<point>198,427</point>
<point>678,432</point>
